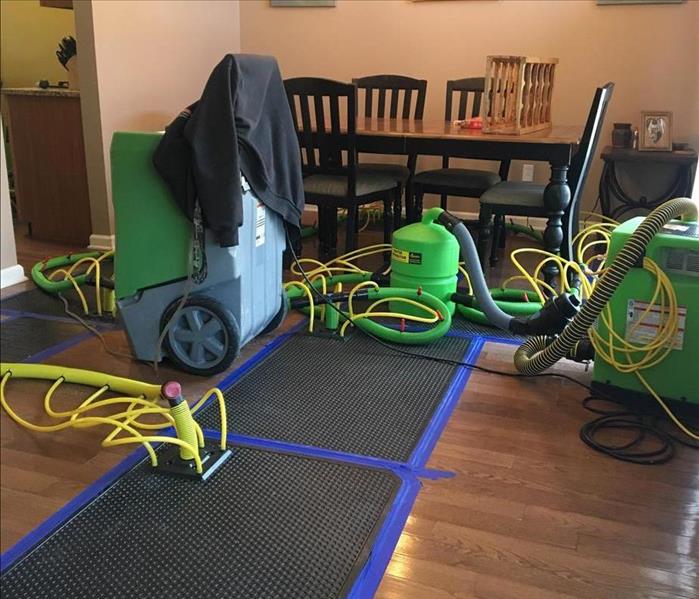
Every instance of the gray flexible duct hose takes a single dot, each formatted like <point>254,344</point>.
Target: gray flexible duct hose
<point>469,255</point>
<point>535,355</point>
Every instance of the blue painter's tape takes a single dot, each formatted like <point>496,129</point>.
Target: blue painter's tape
<point>310,451</point>
<point>386,540</point>
<point>29,541</point>
<point>439,419</point>
<point>505,340</point>
<point>55,349</point>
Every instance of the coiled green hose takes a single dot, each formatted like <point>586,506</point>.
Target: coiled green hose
<point>536,354</point>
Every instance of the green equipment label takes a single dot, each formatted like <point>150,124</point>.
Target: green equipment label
<point>406,257</point>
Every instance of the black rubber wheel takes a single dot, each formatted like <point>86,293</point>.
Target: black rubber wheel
<point>278,317</point>
<point>204,339</point>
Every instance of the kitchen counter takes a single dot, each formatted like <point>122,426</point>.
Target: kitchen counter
<point>37,91</point>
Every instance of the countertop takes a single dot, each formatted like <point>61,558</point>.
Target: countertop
<point>37,91</point>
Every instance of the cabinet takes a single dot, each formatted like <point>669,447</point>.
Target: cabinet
<point>46,140</point>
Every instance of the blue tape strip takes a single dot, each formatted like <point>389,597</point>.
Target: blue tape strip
<point>53,522</point>
<point>505,340</point>
<point>439,419</point>
<point>386,540</point>
<point>55,349</point>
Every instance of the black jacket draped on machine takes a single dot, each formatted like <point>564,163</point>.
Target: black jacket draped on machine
<point>241,124</point>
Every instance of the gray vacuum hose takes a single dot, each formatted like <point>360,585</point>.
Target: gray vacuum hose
<point>469,255</point>
<point>536,355</point>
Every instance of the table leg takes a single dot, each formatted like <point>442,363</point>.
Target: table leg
<point>556,200</point>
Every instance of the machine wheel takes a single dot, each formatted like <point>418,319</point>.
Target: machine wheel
<point>278,317</point>
<point>205,337</point>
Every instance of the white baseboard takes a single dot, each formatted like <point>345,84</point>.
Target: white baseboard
<point>101,242</point>
<point>11,276</point>
<point>535,222</point>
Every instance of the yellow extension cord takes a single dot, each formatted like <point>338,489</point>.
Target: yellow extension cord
<point>614,347</point>
<point>95,263</point>
<point>126,421</point>
<point>345,265</point>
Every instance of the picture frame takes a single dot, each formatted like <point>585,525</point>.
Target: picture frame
<point>655,132</point>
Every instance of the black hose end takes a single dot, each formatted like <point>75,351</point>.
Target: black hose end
<point>553,317</point>
<point>448,220</point>
<point>463,298</point>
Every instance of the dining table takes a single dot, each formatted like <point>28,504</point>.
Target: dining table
<point>556,145</point>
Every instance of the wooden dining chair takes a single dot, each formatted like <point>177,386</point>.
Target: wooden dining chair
<point>324,115</point>
<point>520,198</point>
<point>460,182</point>
<point>397,97</point>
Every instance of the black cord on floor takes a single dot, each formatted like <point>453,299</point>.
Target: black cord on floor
<point>608,420</point>
<point>650,446</point>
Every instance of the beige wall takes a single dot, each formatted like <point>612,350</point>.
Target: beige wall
<point>8,254</point>
<point>650,52</point>
<point>29,37</point>
<point>149,60</point>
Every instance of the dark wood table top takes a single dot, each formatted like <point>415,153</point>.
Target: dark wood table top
<point>435,129</point>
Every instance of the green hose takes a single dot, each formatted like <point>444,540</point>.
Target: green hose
<point>406,337</point>
<point>50,286</point>
<point>509,300</point>
<point>536,355</point>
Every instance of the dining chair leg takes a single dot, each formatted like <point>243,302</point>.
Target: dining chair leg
<point>417,205</point>
<point>485,217</point>
<point>503,234</point>
<point>443,201</point>
<point>397,208</point>
<point>324,233</point>
<point>388,220</point>
<point>351,233</point>
<point>498,232</point>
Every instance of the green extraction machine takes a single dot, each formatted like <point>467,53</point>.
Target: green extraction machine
<point>676,251</point>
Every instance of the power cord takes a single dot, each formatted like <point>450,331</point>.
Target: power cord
<point>411,354</point>
<point>617,420</point>
<point>647,429</point>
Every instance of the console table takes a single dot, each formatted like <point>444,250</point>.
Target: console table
<point>615,201</point>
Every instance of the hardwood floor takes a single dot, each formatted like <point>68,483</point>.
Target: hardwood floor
<point>530,511</point>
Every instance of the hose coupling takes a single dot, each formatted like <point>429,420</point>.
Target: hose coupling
<point>554,316</point>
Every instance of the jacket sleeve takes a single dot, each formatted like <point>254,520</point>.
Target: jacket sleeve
<point>211,132</point>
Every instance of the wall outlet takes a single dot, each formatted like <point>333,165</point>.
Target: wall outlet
<point>527,172</point>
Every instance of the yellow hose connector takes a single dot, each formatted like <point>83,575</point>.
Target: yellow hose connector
<point>182,415</point>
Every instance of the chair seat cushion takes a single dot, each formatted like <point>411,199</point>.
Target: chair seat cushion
<point>336,185</point>
<point>515,193</point>
<point>397,172</point>
<point>458,177</point>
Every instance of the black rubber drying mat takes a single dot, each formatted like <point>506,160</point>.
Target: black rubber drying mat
<point>353,396</point>
<point>460,325</point>
<point>37,301</point>
<point>21,338</point>
<point>267,524</point>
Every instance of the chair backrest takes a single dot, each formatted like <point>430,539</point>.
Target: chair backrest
<point>467,89</point>
<point>388,88</point>
<point>580,164</point>
<point>324,115</point>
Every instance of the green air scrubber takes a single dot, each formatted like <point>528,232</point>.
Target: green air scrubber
<point>425,255</point>
<point>676,251</point>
